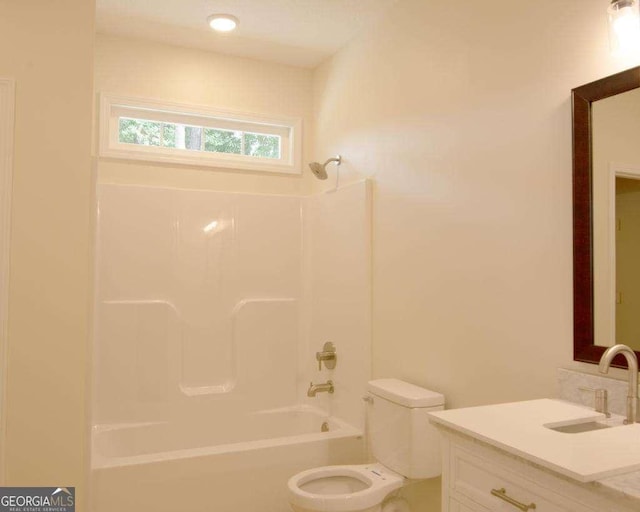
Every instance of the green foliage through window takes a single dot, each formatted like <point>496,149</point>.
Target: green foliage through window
<point>265,146</point>
<point>138,131</point>
<point>196,138</point>
<point>222,141</point>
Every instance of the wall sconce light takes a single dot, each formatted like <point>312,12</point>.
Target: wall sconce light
<point>624,27</point>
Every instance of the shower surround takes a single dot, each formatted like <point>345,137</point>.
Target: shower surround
<point>210,308</point>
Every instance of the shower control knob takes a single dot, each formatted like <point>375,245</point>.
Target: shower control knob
<point>328,355</point>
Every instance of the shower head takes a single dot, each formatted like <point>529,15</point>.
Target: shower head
<point>320,170</point>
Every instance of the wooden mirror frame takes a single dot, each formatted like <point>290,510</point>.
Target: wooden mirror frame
<point>584,347</point>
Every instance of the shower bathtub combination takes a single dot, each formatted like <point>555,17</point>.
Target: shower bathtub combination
<point>210,307</point>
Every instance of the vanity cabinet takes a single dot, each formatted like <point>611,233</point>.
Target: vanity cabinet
<point>482,478</point>
<point>459,507</point>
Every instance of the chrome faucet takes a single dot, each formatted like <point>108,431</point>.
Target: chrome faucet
<point>320,388</point>
<point>632,362</point>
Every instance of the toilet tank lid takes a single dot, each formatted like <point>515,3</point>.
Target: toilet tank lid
<point>405,394</point>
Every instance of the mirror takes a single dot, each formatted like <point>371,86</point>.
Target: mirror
<point>606,192</point>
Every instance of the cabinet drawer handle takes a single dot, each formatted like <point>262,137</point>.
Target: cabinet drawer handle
<point>502,494</point>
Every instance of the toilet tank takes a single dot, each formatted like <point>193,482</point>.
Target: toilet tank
<point>401,436</point>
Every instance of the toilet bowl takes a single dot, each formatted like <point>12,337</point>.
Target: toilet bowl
<point>403,444</point>
<point>360,488</point>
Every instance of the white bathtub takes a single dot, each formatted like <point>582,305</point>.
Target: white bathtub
<point>225,465</point>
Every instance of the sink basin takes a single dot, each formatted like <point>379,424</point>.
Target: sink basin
<point>577,428</point>
<point>586,424</point>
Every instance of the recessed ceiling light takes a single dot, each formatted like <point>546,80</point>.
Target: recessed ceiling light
<point>222,22</point>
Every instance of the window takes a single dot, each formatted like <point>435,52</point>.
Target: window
<point>149,130</point>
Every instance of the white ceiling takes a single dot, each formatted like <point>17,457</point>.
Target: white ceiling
<point>295,32</point>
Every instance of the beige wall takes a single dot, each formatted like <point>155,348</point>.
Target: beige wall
<point>146,69</point>
<point>461,112</point>
<point>47,47</point>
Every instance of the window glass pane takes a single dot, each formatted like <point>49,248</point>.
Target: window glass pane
<point>169,135</point>
<point>222,141</point>
<point>265,146</point>
<point>187,137</point>
<point>139,131</point>
<point>193,138</point>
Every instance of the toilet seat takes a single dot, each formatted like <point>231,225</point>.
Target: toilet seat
<point>342,488</point>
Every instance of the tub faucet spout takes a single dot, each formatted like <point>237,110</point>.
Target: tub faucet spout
<point>314,389</point>
<point>632,363</point>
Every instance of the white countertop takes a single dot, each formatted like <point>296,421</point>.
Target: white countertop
<point>518,428</point>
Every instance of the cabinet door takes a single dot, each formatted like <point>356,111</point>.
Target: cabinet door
<point>456,506</point>
<point>496,488</point>
<point>479,478</point>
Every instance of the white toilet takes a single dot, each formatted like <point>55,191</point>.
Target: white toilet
<point>404,445</point>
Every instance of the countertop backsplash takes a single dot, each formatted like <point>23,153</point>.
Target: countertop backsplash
<point>575,386</point>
